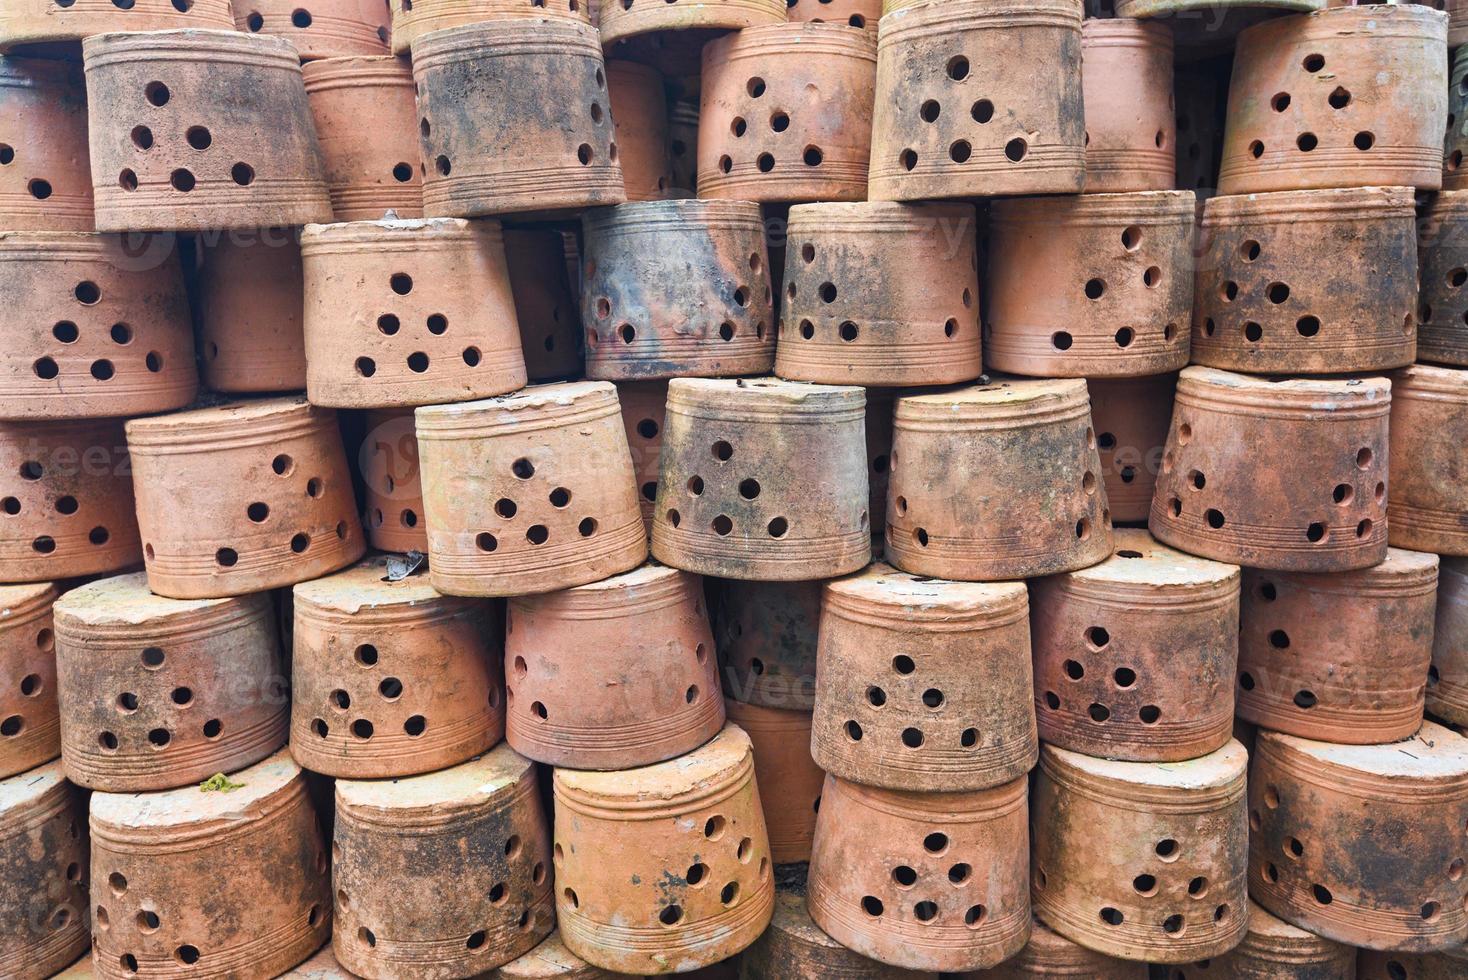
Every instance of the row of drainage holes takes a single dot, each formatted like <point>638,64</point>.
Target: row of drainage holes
<point>417,362</point>
<point>536,534</point>
<point>538,709</point>
<point>1303,698</point>
<point>37,187</point>
<point>1305,326</point>
<point>1064,340</point>
<point>1276,292</point>
<point>388,324</point>
<point>1429,911</point>
<point>184,180</point>
<point>182,6</point>
<point>812,156</point>
<point>1173,925</point>
<point>1146,885</point>
<point>101,369</point>
<point>913,738</point>
<point>1316,532</point>
<point>1306,142</point>
<point>627,333</point>
<point>406,518</point>
<point>848,330</point>
<point>1082,528</point>
<point>1339,98</point>
<point>925,911</point>
<point>67,332</point>
<point>300,541</point>
<point>158,738</point>
<point>65,505</point>
<point>476,939</point>
<point>185,954</point>
<point>1095,287</point>
<point>1124,677</point>
<point>959,151</point>
<point>1149,714</point>
<point>44,544</point>
<point>723,525</point>
<point>362,729</point>
<point>742,295</point>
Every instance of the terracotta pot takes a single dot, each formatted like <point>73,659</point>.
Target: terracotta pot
<point>369,171</point>
<point>68,501</point>
<point>394,493</point>
<point>794,947</point>
<point>677,288</point>
<point>654,650</point>
<point>880,294</point>
<point>1213,500</point>
<point>786,113</point>
<point>879,454</point>
<point>923,881</point>
<point>791,779</point>
<point>160,693</point>
<point>1455,176</point>
<point>623,841</point>
<point>30,732</point>
<point>551,960</point>
<point>1272,948</point>
<point>391,678</point>
<point>545,304</point>
<point>251,298</point>
<point>640,127</point>
<point>44,849</point>
<point>1339,98</point>
<point>1142,860</point>
<point>990,134</point>
<point>1048,954</point>
<point>1314,862</point>
<point>642,415</point>
<point>763,479</point>
<point>156,167</point>
<point>94,328</point>
<point>408,904</point>
<point>46,183</point>
<point>1265,303</point>
<point>1442,308</point>
<point>402,313</point>
<point>766,636</point>
<point>974,519</point>
<point>1214,16</point>
<point>899,700</point>
<point>513,118</point>
<point>621,20</point>
<point>159,897</point>
<point>242,497</point>
<point>1371,965</point>
<point>1131,129</point>
<point>1447,678</point>
<point>1429,503</point>
<point>411,19</point>
<point>326,29</point>
<point>854,13</point>
<point>1131,417</point>
<point>322,966</point>
<point>1134,657</point>
<point>1095,285</point>
<point>37,21</point>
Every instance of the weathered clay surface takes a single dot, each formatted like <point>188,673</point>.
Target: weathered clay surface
<point>1049,954</point>
<point>37,21</point>
<point>30,732</point>
<point>1442,303</point>
<point>551,960</point>
<point>1455,176</point>
<point>790,779</point>
<point>545,304</point>
<point>251,298</point>
<point>371,167</point>
<point>319,28</point>
<point>793,946</point>
<point>766,635</point>
<point>1273,949</point>
<point>412,19</point>
<point>1429,499</point>
<point>1131,130</point>
<point>1373,965</point>
<point>854,13</point>
<point>621,20</point>
<point>391,483</point>
<point>640,125</point>
<point>1447,678</point>
<point>642,414</point>
<point>1131,416</point>
<point>43,853</point>
<point>45,180</point>
<point>1184,10</point>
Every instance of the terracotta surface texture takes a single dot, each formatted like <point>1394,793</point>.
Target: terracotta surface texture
<point>642,415</point>
<point>621,20</point>
<point>1455,177</point>
<point>242,497</point>
<point>251,297</point>
<point>665,868</point>
<point>1429,499</point>
<point>1373,965</point>
<point>161,693</point>
<point>786,113</point>
<point>1131,416</point>
<point>322,29</point>
<point>408,903</point>
<point>766,636</point>
<point>763,479</point>
<point>411,19</point>
<point>791,780</point>
<point>513,118</point>
<point>640,125</point>
<point>880,294</point>
<point>1326,513</point>
<point>793,946</point>
<point>1131,131</point>
<point>1307,282</point>
<point>855,13</point>
<point>677,289</point>
<point>1447,678</point>
<point>1182,10</point>
<point>391,678</point>
<point>1011,447</point>
<point>947,127</point>
<point>1314,862</point>
<point>67,501</point>
<point>402,313</point>
<point>1442,253</point>
<point>391,483</point>
<point>1095,285</point>
<point>1134,657</point>
<point>551,960</point>
<point>1049,954</point>
<point>174,147</point>
<point>1349,97</point>
<point>45,180</point>
<point>1142,860</point>
<point>43,848</point>
<point>529,493</point>
<point>651,692</point>
<point>159,899</point>
<point>1275,950</point>
<point>38,21</point>
<point>30,732</point>
<point>374,168</point>
<point>545,304</point>
<point>91,330</point>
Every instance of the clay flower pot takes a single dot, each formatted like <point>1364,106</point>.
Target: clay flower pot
<point>663,867</point>
<point>407,902</point>
<point>1049,954</point>
<point>1339,657</point>
<point>411,19</point>
<point>325,29</point>
<point>392,487</point>
<point>974,519</point>
<point>43,847</point>
<point>242,497</point>
<point>38,21</point>
<point>1131,416</point>
<point>1134,657</point>
<point>551,960</point>
<point>790,779</point>
<point>1314,861</point>
<point>402,313</point>
<point>1131,130</point>
<point>30,731</point>
<point>1216,15</point>
<point>545,304</point>
<point>880,294</point>
<point>1429,502</point>
<point>854,13</point>
<point>1142,860</point>
<point>513,118</point>
<point>793,946</point>
<point>529,493</point>
<point>391,678</point>
<point>1338,98</point>
<point>653,648</point>
<point>251,298</point>
<point>1447,678</point>
<point>1324,513</point>
<point>676,289</point>
<point>173,147</point>
<point>1373,965</point>
<point>371,167</point>
<point>922,881</point>
<point>621,20</point>
<point>159,897</point>
<point>161,692</point>
<point>945,127</point>
<point>899,701</point>
<point>1267,303</point>
<point>67,500</point>
<point>763,479</point>
<point>45,181</point>
<point>766,636</point>
<point>640,125</point>
<point>93,329</point>
<point>1090,286</point>
<point>786,112</point>
<point>1442,252</point>
<point>642,415</point>
<point>1274,948</point>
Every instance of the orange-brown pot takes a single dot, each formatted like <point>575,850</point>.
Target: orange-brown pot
<point>251,300</point>
<point>791,780</point>
<point>621,20</point>
<point>30,729</point>
<point>388,460</point>
<point>766,636</point>
<point>1131,417</point>
<point>1442,302</point>
<point>45,180</point>
<point>551,960</point>
<point>1449,965</point>
<point>38,21</point>
<point>545,304</point>
<point>640,126</point>
<point>1131,129</point>
<point>1275,950</point>
<point>328,29</point>
<point>1447,678</point>
<point>1049,954</point>
<point>1429,500</point>
<point>43,847</point>
<point>411,19</point>
<point>642,415</point>
<point>793,946</point>
<point>369,171</point>
<point>854,13</point>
